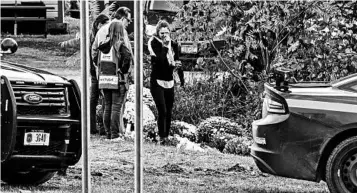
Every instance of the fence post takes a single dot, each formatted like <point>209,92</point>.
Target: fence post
<point>84,29</point>
<point>138,64</point>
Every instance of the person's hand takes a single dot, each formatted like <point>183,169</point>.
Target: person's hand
<point>166,40</point>
<point>178,63</point>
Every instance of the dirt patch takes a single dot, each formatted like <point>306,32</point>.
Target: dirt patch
<point>208,172</point>
<point>173,168</point>
<point>237,168</point>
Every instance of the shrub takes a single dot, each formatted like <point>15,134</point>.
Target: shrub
<point>183,130</point>
<point>215,125</point>
<point>179,128</point>
<point>172,141</point>
<point>238,145</point>
<point>129,114</point>
<point>150,132</point>
<point>147,98</point>
<point>220,139</point>
<point>194,103</point>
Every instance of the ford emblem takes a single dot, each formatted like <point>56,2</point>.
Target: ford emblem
<point>32,98</point>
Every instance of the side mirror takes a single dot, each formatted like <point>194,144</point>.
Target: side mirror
<point>8,46</point>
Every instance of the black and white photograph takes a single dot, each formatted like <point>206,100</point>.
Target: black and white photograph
<point>240,96</point>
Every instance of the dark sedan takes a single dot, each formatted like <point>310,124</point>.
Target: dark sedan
<point>309,131</point>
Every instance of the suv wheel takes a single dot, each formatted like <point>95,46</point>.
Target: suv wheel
<point>28,178</point>
<point>341,168</point>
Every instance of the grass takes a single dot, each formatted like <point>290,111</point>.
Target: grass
<point>43,52</point>
<point>47,54</point>
<point>169,170</point>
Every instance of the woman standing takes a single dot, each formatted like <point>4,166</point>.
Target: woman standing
<point>164,58</point>
<point>114,98</point>
<point>94,90</point>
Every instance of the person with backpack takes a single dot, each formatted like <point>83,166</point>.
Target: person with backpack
<point>114,59</point>
<point>164,60</point>
<point>123,14</point>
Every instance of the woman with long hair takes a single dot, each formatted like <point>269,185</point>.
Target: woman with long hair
<point>114,98</point>
<point>164,59</point>
<point>101,20</point>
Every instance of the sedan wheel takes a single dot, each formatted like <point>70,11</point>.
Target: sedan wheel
<point>341,169</point>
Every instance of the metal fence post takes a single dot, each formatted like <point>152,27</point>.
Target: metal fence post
<point>138,47</point>
<point>84,29</point>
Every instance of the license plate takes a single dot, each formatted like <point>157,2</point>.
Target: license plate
<point>189,49</point>
<point>37,138</point>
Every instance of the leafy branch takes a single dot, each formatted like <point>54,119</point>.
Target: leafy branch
<point>229,69</point>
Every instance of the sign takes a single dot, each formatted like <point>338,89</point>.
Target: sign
<point>108,82</point>
<point>189,49</point>
<point>37,138</point>
<point>107,57</point>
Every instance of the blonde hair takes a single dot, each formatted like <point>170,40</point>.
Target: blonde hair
<point>116,33</point>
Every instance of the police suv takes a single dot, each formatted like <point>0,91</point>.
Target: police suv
<point>40,122</point>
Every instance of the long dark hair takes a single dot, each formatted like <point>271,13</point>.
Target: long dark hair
<point>101,19</point>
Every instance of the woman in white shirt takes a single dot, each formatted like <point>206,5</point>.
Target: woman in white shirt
<point>164,58</point>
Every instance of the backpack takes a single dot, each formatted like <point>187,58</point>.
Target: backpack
<point>109,74</point>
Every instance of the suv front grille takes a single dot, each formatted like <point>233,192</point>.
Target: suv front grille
<point>54,100</point>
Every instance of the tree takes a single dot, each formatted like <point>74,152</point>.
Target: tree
<point>315,37</point>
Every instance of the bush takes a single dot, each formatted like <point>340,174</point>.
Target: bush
<point>212,126</point>
<point>220,139</point>
<point>172,141</point>
<point>194,103</point>
<point>129,114</point>
<point>238,145</point>
<point>184,130</point>
<point>179,128</point>
<point>147,98</point>
<point>150,132</point>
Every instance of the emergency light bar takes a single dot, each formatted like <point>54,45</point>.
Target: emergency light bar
<point>280,77</point>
